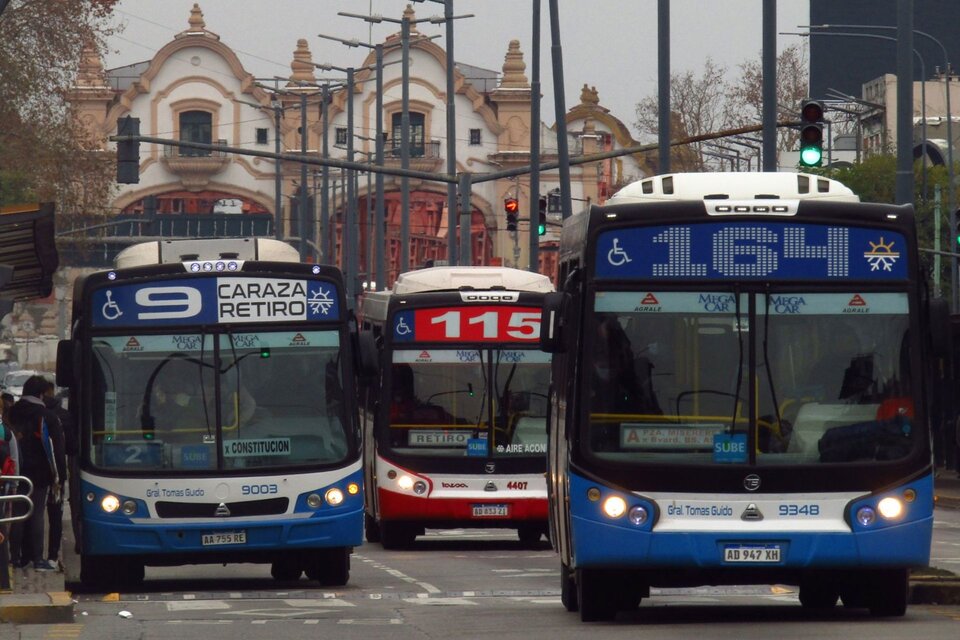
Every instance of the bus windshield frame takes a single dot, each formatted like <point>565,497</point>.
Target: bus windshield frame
<point>200,377</point>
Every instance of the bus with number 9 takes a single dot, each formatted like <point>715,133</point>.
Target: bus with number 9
<point>455,434</point>
<point>211,384</point>
<point>740,393</point>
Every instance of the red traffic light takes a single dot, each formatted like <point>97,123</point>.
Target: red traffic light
<point>811,111</point>
<point>511,205</point>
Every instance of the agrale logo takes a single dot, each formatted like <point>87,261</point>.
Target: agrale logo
<point>857,305</point>
<point>649,304</point>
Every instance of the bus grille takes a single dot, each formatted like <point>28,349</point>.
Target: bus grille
<point>270,507</point>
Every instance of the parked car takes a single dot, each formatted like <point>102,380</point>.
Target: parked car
<point>13,381</point>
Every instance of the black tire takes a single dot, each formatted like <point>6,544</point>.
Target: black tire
<point>530,535</point>
<point>397,535</point>
<point>371,529</point>
<point>132,574</point>
<point>97,573</point>
<point>593,596</point>
<point>286,569</point>
<point>568,589</point>
<point>855,596</point>
<point>818,594</point>
<point>889,593</point>
<point>330,567</point>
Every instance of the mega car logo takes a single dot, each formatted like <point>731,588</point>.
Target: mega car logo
<point>713,302</point>
<point>787,304</point>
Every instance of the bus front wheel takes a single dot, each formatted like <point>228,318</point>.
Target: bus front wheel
<point>330,567</point>
<point>370,528</point>
<point>568,588</point>
<point>594,597</point>
<point>397,535</point>
<point>889,592</point>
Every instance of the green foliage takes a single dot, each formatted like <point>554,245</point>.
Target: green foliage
<point>874,180</point>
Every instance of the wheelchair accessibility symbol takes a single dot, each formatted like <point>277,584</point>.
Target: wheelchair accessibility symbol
<point>111,310</point>
<point>617,256</point>
<point>402,327</point>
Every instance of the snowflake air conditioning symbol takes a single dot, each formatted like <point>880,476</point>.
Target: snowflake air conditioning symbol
<point>881,255</point>
<point>320,301</point>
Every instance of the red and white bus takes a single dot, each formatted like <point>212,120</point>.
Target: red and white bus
<point>455,431</point>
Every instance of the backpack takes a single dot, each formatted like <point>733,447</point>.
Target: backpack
<point>8,465</point>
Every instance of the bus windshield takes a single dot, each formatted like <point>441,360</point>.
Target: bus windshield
<point>155,408</point>
<point>469,402</point>
<point>668,378</point>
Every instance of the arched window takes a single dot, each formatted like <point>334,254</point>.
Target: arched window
<point>196,126</point>
<point>416,134</point>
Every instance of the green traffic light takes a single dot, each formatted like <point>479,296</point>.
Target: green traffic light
<point>542,229</point>
<point>811,156</point>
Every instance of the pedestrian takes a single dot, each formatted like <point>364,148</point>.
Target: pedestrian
<point>41,460</point>
<point>63,437</point>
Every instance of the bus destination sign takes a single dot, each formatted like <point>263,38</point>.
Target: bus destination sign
<point>751,250</point>
<point>214,300</point>
<point>468,324</point>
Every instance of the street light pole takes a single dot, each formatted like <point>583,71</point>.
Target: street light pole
<point>535,139</point>
<point>952,187</point>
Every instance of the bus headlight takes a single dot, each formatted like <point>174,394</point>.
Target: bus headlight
<point>890,508</point>
<point>313,501</point>
<point>638,515</point>
<point>866,516</point>
<point>614,506</point>
<point>129,507</point>
<point>110,503</point>
<point>333,496</point>
<point>405,483</point>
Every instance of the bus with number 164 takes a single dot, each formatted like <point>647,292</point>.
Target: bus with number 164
<point>741,384</point>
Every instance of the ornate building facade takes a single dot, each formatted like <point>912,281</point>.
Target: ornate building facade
<point>195,89</point>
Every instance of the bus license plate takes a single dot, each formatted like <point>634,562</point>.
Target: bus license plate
<point>490,511</point>
<point>751,553</point>
<point>224,537</point>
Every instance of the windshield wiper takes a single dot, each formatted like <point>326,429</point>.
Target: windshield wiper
<point>766,364</point>
<point>736,395</point>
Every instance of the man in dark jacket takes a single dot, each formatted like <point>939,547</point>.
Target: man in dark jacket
<point>42,457</point>
<point>65,433</point>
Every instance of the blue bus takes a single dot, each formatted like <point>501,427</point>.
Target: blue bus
<point>212,385</point>
<point>740,393</point>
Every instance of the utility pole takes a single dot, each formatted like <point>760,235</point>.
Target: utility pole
<point>406,22</point>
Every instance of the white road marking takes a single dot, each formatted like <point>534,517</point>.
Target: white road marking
<point>197,605</point>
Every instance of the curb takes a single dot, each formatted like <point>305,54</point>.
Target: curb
<point>41,608</point>
<point>935,589</point>
<point>947,502</point>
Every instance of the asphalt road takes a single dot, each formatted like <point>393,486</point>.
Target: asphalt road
<point>462,584</point>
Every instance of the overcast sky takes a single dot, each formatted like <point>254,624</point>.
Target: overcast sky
<point>609,44</point>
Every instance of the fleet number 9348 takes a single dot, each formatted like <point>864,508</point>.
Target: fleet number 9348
<point>794,510</point>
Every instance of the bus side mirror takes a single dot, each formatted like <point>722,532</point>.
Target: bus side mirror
<point>940,326</point>
<point>369,356</point>
<point>65,355</point>
<point>552,321</point>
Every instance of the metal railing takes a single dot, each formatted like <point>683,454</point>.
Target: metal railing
<point>5,498</point>
<point>187,152</point>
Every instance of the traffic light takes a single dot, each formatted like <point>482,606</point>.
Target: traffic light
<point>128,151</point>
<point>542,225</point>
<point>811,133</point>
<point>511,206</point>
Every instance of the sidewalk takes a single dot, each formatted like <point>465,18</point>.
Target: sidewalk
<point>40,597</point>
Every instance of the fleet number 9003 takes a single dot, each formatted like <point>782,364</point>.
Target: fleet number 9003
<point>259,489</point>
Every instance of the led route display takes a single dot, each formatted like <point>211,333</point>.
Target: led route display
<point>752,250</point>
